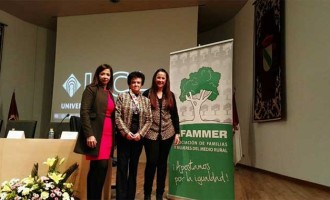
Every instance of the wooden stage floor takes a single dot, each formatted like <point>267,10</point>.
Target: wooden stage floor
<point>252,184</point>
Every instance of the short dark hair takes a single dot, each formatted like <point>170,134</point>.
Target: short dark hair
<point>133,75</point>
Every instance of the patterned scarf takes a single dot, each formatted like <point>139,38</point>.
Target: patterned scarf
<point>136,100</point>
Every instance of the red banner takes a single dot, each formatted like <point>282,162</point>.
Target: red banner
<point>13,112</point>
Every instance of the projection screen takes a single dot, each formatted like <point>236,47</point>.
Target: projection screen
<point>132,41</point>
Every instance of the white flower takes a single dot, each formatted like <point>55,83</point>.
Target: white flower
<point>50,162</point>
<point>13,181</point>
<point>3,196</point>
<point>6,188</point>
<point>26,191</point>
<point>44,178</point>
<point>66,196</point>
<point>20,188</point>
<point>4,183</point>
<point>68,185</point>
<point>45,187</point>
<point>56,177</point>
<point>49,185</point>
<point>28,180</point>
<point>44,195</point>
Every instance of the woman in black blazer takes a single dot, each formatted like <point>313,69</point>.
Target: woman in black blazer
<point>96,138</point>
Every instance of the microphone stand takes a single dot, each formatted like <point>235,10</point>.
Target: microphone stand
<point>59,125</point>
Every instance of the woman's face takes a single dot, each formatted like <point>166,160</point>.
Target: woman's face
<point>135,86</point>
<point>104,77</point>
<point>160,80</point>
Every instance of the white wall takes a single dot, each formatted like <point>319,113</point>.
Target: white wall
<point>27,67</point>
<point>299,146</point>
<point>223,32</point>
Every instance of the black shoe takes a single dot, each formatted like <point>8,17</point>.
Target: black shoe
<point>147,197</point>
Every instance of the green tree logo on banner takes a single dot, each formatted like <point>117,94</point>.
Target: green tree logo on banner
<point>199,87</point>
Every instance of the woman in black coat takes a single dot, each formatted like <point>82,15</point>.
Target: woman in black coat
<point>96,138</point>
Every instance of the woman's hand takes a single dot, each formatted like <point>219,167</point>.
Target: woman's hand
<point>177,139</point>
<point>91,142</point>
<point>137,137</point>
<point>129,136</point>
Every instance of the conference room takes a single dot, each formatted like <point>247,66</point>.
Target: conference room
<point>47,62</point>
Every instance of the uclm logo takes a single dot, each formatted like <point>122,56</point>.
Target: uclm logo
<point>71,85</point>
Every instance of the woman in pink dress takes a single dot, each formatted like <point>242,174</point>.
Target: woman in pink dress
<point>96,137</point>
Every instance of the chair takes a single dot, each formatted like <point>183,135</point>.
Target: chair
<point>1,123</point>
<point>28,126</point>
<point>75,123</point>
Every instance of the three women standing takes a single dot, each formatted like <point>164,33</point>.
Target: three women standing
<point>156,120</point>
<point>164,130</point>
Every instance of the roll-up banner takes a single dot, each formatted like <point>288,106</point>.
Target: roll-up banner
<point>201,167</point>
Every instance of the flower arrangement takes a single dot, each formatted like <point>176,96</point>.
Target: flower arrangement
<point>52,186</point>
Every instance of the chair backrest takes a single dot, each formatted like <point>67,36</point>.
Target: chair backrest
<point>75,123</point>
<point>28,126</point>
<point>1,124</point>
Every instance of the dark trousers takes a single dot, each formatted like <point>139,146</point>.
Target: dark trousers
<point>95,178</point>
<point>128,154</point>
<point>157,153</point>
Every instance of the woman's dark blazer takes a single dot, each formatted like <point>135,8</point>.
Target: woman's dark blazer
<point>93,107</point>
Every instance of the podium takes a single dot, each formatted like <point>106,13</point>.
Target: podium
<point>17,157</point>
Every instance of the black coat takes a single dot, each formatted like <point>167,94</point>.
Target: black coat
<point>93,107</point>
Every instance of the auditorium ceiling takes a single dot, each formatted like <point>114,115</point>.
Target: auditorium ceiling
<point>45,12</point>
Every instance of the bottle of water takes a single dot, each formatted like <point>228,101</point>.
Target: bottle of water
<point>51,133</point>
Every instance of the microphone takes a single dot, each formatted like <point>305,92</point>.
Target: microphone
<point>59,125</point>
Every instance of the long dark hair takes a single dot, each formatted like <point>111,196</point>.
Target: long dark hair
<point>167,94</point>
<point>96,80</point>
